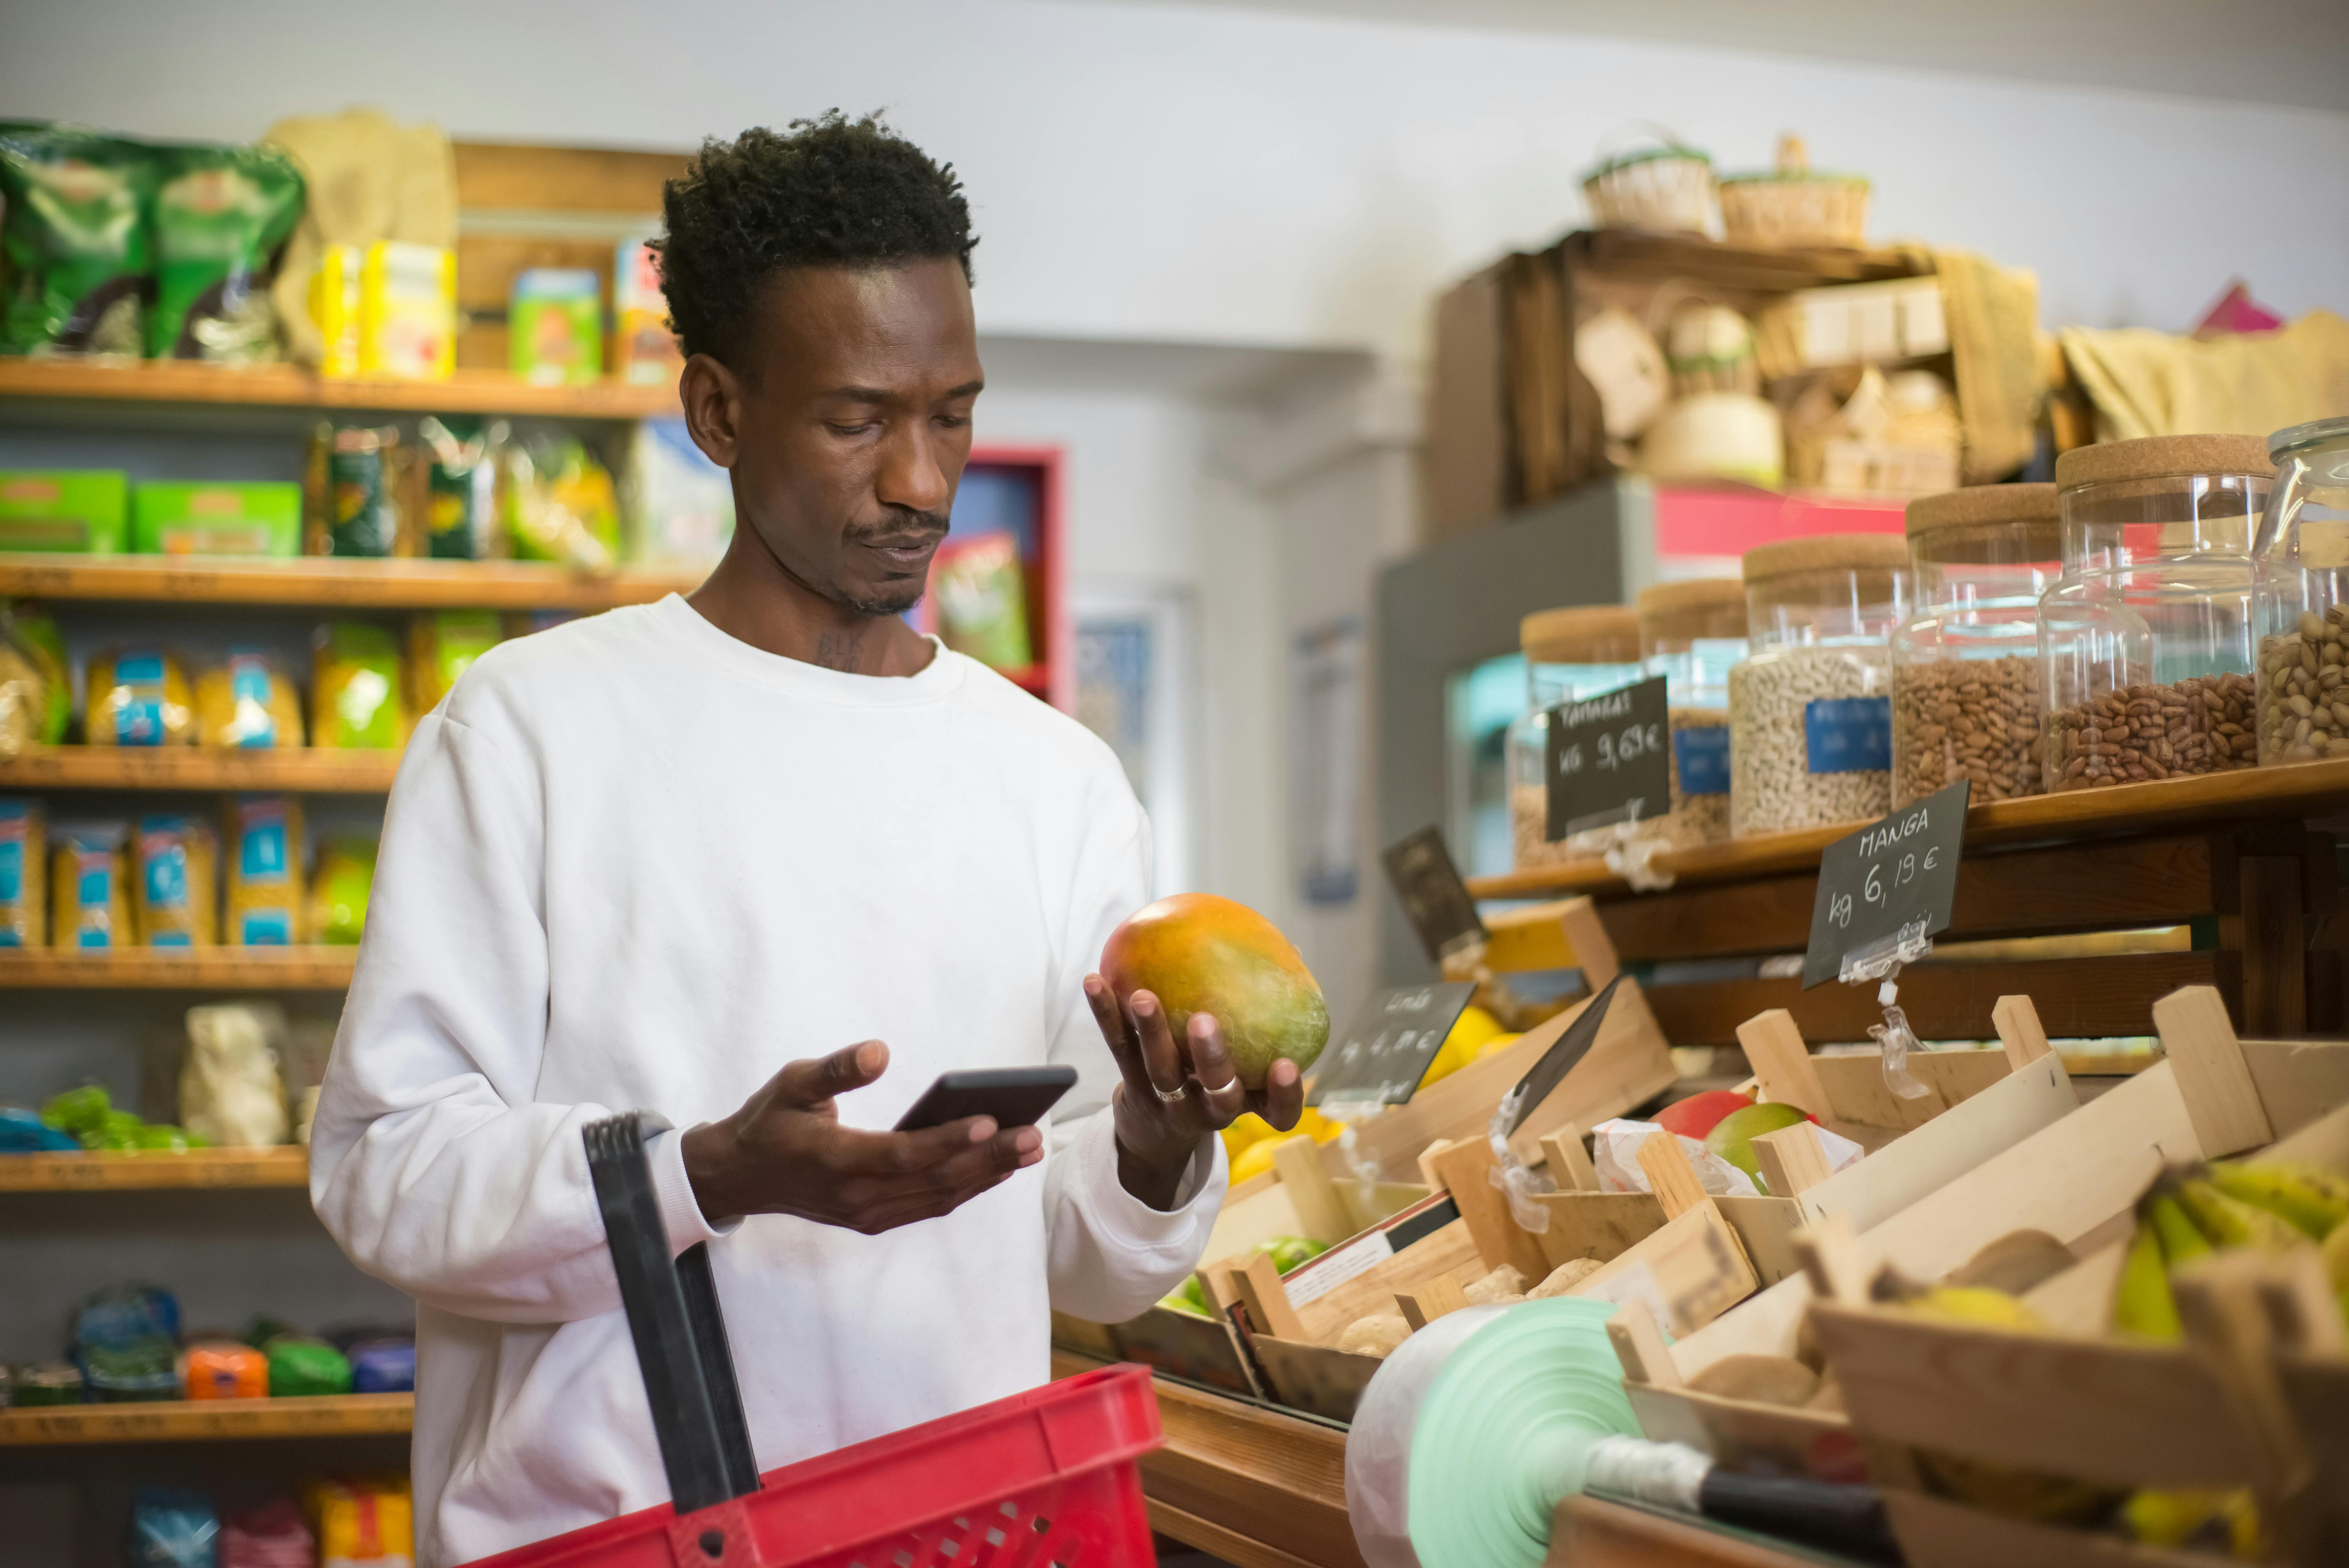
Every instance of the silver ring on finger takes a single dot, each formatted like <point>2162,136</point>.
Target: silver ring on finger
<point>1175,1098</point>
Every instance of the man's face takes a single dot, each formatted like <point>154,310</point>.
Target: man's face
<point>853,426</point>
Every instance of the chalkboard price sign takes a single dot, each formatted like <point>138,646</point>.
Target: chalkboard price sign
<point>1433,896</point>
<point>1384,1052</point>
<point>1892,880</point>
<point>1606,760</point>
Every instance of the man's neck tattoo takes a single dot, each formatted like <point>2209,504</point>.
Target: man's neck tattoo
<point>838,650</point>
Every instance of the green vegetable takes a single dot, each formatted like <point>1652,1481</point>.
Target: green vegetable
<point>78,1111</point>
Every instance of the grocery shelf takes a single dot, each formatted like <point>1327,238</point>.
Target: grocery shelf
<point>330,583</point>
<point>210,1420</point>
<point>2304,790</point>
<point>299,769</point>
<point>155,1171</point>
<point>289,386</point>
<point>177,969</point>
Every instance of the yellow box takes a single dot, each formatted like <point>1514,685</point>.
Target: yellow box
<point>335,308</point>
<point>407,312</point>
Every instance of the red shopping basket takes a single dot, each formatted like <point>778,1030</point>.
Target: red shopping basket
<point>1043,1479</point>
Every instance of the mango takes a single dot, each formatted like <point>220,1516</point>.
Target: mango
<point>1200,954</point>
<point>1732,1136</point>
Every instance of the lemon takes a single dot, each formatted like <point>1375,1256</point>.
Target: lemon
<point>1473,1030</point>
<point>1249,1128</point>
<point>1257,1157</point>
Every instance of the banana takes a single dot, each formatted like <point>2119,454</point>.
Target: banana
<point>2211,1519</point>
<point>2180,1239</point>
<point>2143,1306</point>
<point>1975,1305</point>
<point>2230,1222</point>
<point>2336,1253</point>
<point>2313,1198</point>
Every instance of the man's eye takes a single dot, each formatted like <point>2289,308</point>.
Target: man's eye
<point>848,429</point>
<point>954,421</point>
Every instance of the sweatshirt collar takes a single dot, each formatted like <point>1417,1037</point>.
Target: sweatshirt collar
<point>937,679</point>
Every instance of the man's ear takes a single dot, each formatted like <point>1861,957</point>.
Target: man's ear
<point>713,407</point>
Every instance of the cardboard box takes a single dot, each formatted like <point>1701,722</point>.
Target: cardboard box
<point>175,516</point>
<point>82,511</point>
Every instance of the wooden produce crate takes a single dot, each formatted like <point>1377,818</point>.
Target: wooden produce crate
<point>2253,1398</point>
<point>2076,1178</point>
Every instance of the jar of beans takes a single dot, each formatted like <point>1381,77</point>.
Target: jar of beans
<point>2146,643</point>
<point>1810,721</point>
<point>1693,634</point>
<point>2302,553</point>
<point>1965,667</point>
<point>1570,654</point>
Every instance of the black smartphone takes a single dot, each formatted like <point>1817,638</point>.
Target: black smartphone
<point>1015,1096</point>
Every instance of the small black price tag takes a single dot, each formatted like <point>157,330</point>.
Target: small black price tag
<point>1606,761</point>
<point>1892,880</point>
<point>1433,896</point>
<point>1385,1050</point>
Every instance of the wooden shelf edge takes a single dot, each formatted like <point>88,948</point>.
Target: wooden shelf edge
<point>2299,788</point>
<point>295,769</point>
<point>289,386</point>
<point>179,969</point>
<point>327,584</point>
<point>209,1420</point>
<point>155,1171</point>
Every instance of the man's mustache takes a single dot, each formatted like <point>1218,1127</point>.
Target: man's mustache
<point>904,530</point>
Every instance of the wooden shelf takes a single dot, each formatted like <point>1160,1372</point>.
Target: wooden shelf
<point>2313,788</point>
<point>210,1420</point>
<point>287,387</point>
<point>178,969</point>
<point>297,770</point>
<point>154,1172</point>
<point>329,583</point>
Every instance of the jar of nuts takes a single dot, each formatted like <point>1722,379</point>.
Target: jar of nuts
<point>2147,671</point>
<point>1810,722</point>
<point>1570,654</point>
<point>1693,634</point>
<point>2303,596</point>
<point>1965,667</point>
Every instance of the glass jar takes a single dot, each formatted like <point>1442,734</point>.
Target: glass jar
<point>2302,563</point>
<point>2147,672</point>
<point>1965,666</point>
<point>1810,722</point>
<point>1570,654</point>
<point>1693,634</point>
<point>2160,498</point>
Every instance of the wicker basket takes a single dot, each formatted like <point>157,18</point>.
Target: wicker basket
<point>1668,187</point>
<point>1793,208</point>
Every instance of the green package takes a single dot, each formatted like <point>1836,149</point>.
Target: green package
<point>301,1367</point>
<point>47,1383</point>
<point>460,485</point>
<point>33,631</point>
<point>554,326</point>
<point>338,890</point>
<point>223,215</point>
<point>355,688</point>
<point>79,259</point>
<point>362,489</point>
<point>176,517</point>
<point>83,509</point>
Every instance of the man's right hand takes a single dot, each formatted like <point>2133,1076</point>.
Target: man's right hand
<point>785,1153</point>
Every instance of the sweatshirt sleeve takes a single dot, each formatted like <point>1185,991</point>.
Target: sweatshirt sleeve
<point>1111,1254</point>
<point>429,1160</point>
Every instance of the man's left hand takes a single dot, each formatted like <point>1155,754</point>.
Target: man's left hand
<point>1176,1091</point>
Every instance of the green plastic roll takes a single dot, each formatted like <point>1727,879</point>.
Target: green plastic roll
<point>1474,1430</point>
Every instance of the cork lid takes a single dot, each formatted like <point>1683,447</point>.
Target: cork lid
<point>1982,503</point>
<point>1696,593</point>
<point>1584,633</point>
<point>2162,457</point>
<point>1826,552</point>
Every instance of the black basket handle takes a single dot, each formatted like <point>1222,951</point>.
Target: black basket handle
<point>679,1333</point>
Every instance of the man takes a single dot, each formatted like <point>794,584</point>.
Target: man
<point>645,860</point>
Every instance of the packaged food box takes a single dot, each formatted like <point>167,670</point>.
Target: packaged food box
<point>554,327</point>
<point>178,517</point>
<point>407,311</point>
<point>63,508</point>
<point>644,351</point>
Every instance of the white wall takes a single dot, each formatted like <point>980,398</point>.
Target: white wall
<point>1209,175</point>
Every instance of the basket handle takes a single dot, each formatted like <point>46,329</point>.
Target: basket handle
<point>678,1330</point>
<point>1794,157</point>
<point>1628,134</point>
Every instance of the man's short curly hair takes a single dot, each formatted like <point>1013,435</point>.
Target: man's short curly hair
<point>830,192</point>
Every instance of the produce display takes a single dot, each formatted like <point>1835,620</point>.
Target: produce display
<point>1200,954</point>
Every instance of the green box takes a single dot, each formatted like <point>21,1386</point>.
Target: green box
<point>79,510</point>
<point>182,517</point>
<point>554,326</point>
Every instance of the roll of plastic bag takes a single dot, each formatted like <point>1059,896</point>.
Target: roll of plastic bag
<point>1477,1427</point>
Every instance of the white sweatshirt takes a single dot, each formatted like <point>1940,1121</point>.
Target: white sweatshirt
<point>634,863</point>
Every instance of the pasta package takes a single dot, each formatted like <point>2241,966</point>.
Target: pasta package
<point>138,698</point>
<point>175,890</point>
<point>247,701</point>
<point>362,1523</point>
<point>340,885</point>
<point>89,890</point>
<point>24,894</point>
<point>355,701</point>
<point>264,843</point>
<point>443,647</point>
